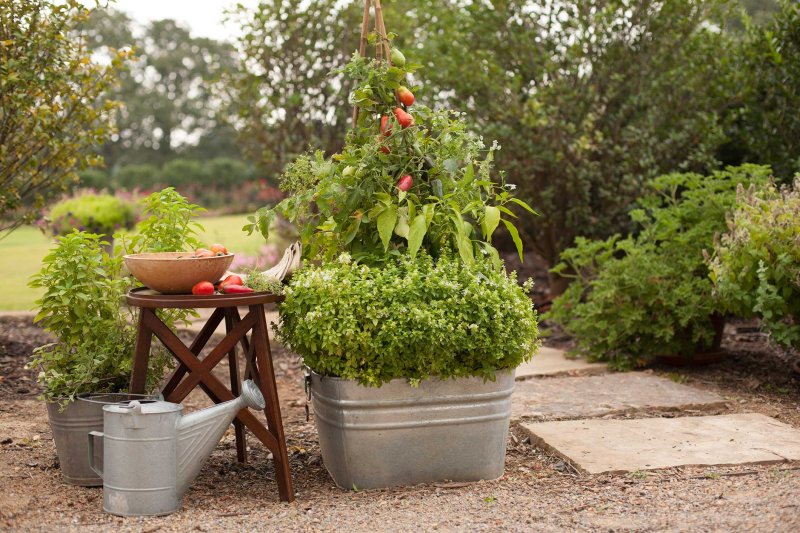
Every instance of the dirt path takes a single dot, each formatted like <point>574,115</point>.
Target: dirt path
<point>537,493</point>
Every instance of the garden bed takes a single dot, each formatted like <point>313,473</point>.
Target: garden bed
<point>537,492</point>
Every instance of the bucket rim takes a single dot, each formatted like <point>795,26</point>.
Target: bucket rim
<point>111,398</point>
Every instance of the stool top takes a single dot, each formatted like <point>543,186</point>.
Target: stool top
<point>144,297</point>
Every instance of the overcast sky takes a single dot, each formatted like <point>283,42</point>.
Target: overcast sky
<point>204,17</point>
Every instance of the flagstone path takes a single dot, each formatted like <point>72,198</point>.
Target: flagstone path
<point>551,362</point>
<point>608,394</point>
<point>563,415</point>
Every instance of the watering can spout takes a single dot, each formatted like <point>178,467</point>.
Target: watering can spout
<point>199,432</point>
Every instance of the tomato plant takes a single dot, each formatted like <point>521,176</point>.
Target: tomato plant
<point>359,201</point>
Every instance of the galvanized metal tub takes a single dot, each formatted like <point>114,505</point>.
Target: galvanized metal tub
<point>70,428</point>
<point>396,434</point>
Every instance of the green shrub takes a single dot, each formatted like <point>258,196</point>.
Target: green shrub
<point>756,267</point>
<point>179,172</point>
<point>227,172</point>
<point>638,297</point>
<point>131,177</point>
<point>410,318</point>
<point>94,178</point>
<point>94,213</point>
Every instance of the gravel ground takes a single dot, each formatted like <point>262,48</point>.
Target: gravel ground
<point>538,492</point>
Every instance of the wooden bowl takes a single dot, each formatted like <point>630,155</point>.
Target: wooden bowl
<point>176,272</point>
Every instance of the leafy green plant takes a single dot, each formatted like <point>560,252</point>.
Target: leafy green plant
<point>167,224</point>
<point>649,294</point>
<point>102,214</point>
<point>756,265</point>
<point>81,307</point>
<point>410,318</point>
<point>401,184</point>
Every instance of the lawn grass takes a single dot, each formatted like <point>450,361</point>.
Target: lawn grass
<point>22,251</point>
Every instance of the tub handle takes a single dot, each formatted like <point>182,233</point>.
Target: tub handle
<point>92,436</point>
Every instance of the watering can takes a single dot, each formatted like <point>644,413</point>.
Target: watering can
<point>152,452</point>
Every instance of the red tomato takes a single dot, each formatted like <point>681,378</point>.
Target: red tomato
<point>405,183</point>
<point>204,288</point>
<point>231,288</point>
<point>405,96</point>
<point>404,119</point>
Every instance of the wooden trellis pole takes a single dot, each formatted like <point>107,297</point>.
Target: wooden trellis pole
<point>382,50</point>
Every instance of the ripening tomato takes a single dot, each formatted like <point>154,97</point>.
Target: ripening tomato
<point>219,248</point>
<point>203,288</point>
<point>386,126</point>
<point>202,253</point>
<point>405,182</point>
<point>404,119</point>
<point>405,96</point>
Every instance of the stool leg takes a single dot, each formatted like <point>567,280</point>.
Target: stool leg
<point>141,355</point>
<point>233,364</point>
<point>266,374</point>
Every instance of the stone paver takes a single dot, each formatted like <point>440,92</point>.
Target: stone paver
<point>551,361</point>
<point>608,394</point>
<point>597,446</point>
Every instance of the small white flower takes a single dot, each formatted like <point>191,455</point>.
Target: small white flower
<point>345,259</point>
<point>510,186</point>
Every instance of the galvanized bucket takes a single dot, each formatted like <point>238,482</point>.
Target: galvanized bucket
<point>70,428</point>
<point>442,430</point>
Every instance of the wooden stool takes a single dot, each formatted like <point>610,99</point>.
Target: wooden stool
<point>193,372</point>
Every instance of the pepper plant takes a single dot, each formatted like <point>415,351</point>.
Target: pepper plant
<point>409,178</point>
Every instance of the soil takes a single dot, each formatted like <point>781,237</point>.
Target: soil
<point>538,491</point>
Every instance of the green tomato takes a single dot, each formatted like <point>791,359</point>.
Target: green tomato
<point>348,170</point>
<point>398,59</point>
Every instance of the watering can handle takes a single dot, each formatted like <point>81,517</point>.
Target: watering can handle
<point>92,435</point>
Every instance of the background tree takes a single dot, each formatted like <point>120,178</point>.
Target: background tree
<point>764,126</point>
<point>168,94</point>
<point>285,97</point>
<point>588,100</point>
<point>53,105</point>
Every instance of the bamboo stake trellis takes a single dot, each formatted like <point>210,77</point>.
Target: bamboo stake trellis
<point>382,51</point>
